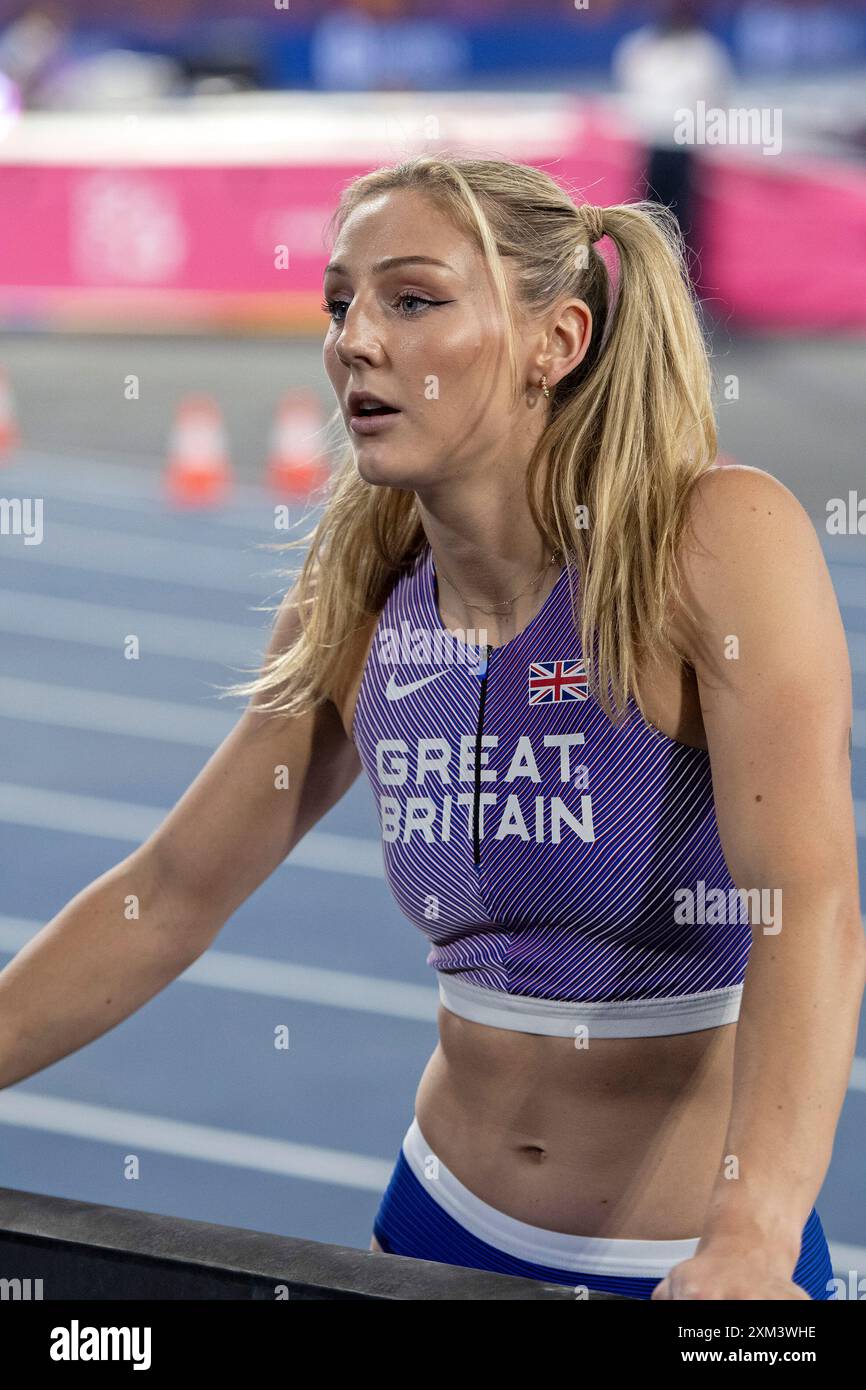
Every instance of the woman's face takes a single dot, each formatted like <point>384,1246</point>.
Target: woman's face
<point>425,336</point>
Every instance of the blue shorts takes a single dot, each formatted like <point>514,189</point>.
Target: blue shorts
<point>427,1213</point>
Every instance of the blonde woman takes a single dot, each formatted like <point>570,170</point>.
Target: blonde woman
<point>601,691</point>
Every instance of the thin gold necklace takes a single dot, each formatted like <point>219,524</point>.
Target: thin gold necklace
<point>503,605</point>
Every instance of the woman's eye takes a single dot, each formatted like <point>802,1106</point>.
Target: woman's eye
<point>330,306</point>
<point>418,299</point>
<point>333,306</point>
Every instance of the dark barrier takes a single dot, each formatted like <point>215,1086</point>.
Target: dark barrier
<point>81,1251</point>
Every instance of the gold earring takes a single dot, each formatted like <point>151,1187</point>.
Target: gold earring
<point>544,388</point>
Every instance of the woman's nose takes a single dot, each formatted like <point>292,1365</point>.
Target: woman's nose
<point>360,336</point>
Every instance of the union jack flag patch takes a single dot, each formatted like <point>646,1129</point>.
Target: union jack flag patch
<point>551,681</point>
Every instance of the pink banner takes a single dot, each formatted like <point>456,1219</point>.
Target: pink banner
<point>784,248</point>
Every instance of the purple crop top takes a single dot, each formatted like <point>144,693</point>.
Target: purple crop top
<point>567,872</point>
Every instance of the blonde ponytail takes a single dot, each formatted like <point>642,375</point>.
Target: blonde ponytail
<point>630,433</point>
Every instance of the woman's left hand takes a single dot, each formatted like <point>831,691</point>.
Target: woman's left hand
<point>726,1275</point>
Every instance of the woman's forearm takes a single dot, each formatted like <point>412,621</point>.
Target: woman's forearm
<point>113,946</point>
<point>795,1043</point>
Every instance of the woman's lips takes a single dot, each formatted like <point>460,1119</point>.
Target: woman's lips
<point>373,424</point>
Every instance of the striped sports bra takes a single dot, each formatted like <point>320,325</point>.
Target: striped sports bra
<point>567,871</point>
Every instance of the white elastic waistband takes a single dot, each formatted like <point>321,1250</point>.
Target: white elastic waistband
<point>646,1259</point>
<point>558,1018</point>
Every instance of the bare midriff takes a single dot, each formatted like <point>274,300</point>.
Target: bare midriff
<point>623,1137</point>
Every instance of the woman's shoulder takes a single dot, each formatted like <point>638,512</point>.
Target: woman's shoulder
<point>737,504</point>
<point>738,478</point>
<point>745,532</point>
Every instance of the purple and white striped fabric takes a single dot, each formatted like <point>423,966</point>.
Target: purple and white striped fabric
<point>541,849</point>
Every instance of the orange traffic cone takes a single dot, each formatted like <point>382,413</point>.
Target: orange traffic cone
<point>198,473</point>
<point>295,463</point>
<point>9,436</point>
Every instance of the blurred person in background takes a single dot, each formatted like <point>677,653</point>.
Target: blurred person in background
<point>54,67</point>
<point>34,46</point>
<point>661,69</point>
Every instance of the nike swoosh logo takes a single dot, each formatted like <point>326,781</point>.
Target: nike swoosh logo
<point>396,692</point>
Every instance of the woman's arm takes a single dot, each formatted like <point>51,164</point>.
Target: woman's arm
<point>775,688</point>
<point>131,931</point>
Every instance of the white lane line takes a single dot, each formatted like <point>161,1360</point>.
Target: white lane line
<point>231,568</point>
<point>275,979</point>
<point>71,707</point>
<point>313,985</point>
<point>132,1130</point>
<point>81,478</point>
<point>159,634</point>
<point>75,814</point>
